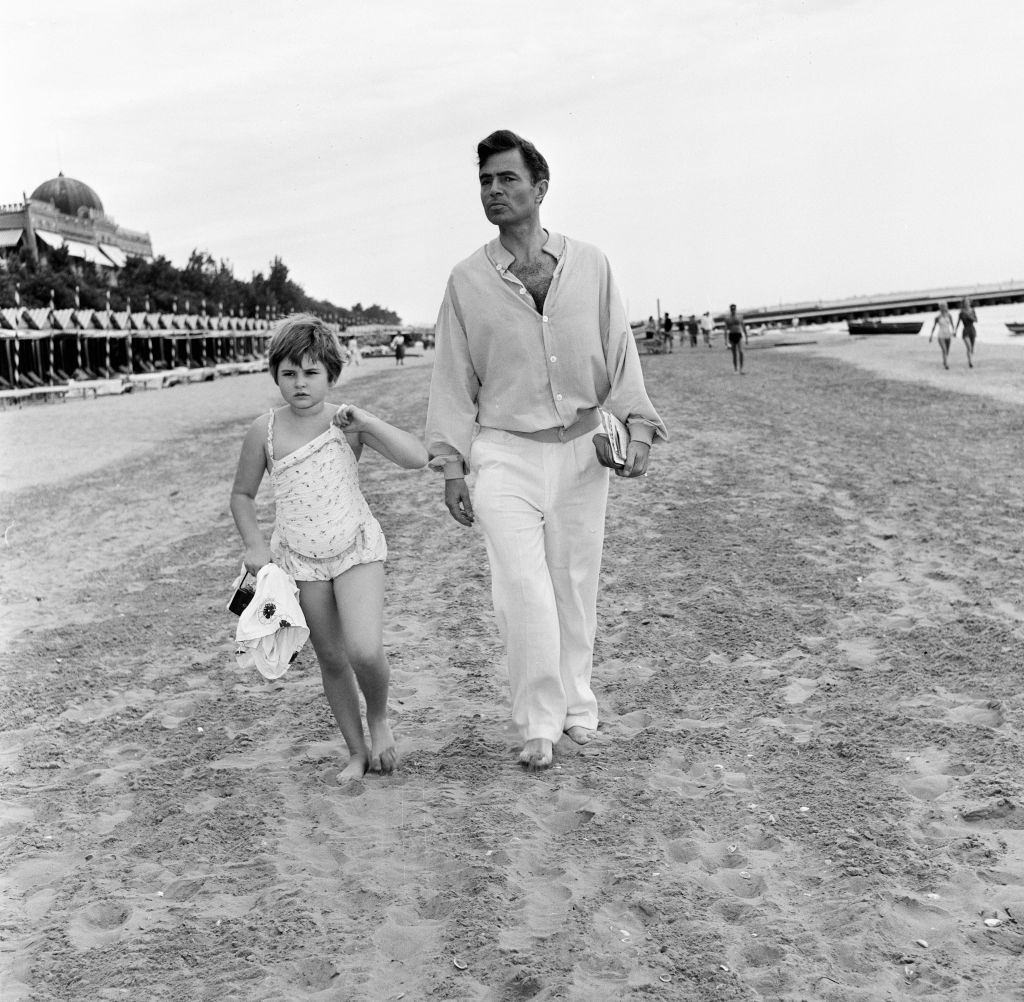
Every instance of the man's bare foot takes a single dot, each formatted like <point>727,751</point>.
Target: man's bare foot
<point>580,734</point>
<point>537,753</point>
<point>355,769</point>
<point>383,753</point>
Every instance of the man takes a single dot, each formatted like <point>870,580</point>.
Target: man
<point>735,336</point>
<point>531,338</point>
<point>666,326</point>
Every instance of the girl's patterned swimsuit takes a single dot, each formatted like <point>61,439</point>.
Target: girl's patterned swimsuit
<point>324,525</point>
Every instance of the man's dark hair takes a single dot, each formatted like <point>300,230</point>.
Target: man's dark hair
<point>504,139</point>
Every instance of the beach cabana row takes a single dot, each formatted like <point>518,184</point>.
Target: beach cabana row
<point>48,352</point>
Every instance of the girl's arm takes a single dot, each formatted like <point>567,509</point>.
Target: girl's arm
<point>401,447</point>
<point>252,463</point>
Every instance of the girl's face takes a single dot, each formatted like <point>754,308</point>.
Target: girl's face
<point>303,385</point>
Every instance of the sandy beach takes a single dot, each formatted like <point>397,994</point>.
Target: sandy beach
<point>809,779</point>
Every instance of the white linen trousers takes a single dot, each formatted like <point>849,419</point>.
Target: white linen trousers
<point>541,506</point>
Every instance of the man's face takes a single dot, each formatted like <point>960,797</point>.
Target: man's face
<point>506,191</point>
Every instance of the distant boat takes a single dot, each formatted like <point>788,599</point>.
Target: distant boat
<point>885,326</point>
<point>1015,329</point>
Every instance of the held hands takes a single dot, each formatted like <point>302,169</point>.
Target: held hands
<point>457,501</point>
<point>352,419</point>
<point>637,455</point>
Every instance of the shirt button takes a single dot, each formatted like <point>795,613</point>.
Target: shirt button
<point>522,292</point>
<point>545,320</point>
<point>554,359</point>
<point>558,396</point>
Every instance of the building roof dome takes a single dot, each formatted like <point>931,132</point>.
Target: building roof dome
<point>68,195</point>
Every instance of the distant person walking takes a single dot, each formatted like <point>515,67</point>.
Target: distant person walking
<point>355,356</point>
<point>692,329</point>
<point>398,343</point>
<point>942,326</point>
<point>735,336</point>
<point>707,325</point>
<point>968,318</point>
<point>666,327</point>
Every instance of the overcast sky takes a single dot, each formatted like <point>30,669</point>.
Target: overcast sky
<point>716,150</point>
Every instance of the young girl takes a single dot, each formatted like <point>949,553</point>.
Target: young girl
<point>325,535</point>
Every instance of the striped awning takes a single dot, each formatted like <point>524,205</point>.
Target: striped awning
<point>8,238</point>
<point>117,256</point>
<point>50,239</point>
<point>87,252</point>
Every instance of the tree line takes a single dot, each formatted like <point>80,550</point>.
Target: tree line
<point>202,284</point>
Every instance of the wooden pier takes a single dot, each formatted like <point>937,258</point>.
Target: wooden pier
<point>885,305</point>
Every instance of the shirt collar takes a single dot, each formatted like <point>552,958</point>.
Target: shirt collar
<point>502,259</point>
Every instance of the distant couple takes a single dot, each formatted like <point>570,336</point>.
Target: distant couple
<point>945,331</point>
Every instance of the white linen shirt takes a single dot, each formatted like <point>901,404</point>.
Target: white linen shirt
<point>500,363</point>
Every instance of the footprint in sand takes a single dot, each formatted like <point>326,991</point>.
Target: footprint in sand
<point>99,924</point>
<point>404,632</point>
<point>959,708</point>
<point>97,709</point>
<point>629,725</point>
<point>800,690</point>
<point>543,895</point>
<point>861,652</point>
<point>675,773</point>
<point>933,774</point>
<point>569,812</point>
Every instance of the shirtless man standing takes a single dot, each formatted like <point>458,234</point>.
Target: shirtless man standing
<point>531,339</point>
<point>735,336</point>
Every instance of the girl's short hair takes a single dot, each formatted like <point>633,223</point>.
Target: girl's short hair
<point>300,335</point>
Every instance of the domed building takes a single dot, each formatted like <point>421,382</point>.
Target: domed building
<point>68,195</point>
<point>66,212</point>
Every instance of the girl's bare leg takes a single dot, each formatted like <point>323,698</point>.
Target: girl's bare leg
<point>325,632</point>
<point>359,593</point>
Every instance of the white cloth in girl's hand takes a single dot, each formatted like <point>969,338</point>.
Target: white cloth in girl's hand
<point>271,629</point>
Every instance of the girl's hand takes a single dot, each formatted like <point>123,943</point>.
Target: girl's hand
<point>256,557</point>
<point>351,419</point>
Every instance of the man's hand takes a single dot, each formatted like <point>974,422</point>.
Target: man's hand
<point>604,452</point>
<point>637,454</point>
<point>457,501</point>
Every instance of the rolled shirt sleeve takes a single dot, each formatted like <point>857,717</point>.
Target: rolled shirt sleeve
<point>454,388</point>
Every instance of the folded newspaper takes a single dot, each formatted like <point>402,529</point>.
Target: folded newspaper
<point>618,436</point>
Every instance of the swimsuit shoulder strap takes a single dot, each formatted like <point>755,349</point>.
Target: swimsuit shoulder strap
<point>270,436</point>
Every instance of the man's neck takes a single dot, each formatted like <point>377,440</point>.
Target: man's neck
<point>525,241</point>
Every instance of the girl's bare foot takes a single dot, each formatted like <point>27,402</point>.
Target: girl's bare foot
<point>383,753</point>
<point>580,734</point>
<point>537,753</point>
<point>355,769</point>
